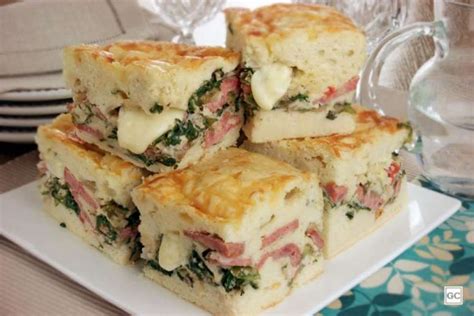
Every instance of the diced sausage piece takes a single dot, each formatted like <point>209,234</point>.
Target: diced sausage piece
<point>228,85</point>
<point>370,199</point>
<point>393,170</point>
<point>280,232</point>
<point>217,132</point>
<point>290,250</point>
<point>315,237</point>
<point>332,93</point>
<point>90,130</point>
<point>225,262</point>
<point>336,193</point>
<point>78,191</point>
<point>229,249</point>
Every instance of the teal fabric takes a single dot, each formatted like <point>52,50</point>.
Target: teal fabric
<point>413,283</point>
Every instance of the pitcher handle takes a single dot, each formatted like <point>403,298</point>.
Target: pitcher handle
<point>369,78</point>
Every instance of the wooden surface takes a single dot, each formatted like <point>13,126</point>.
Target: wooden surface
<point>29,286</point>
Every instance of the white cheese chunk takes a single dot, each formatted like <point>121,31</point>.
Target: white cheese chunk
<point>136,129</point>
<point>269,84</point>
<point>173,252</point>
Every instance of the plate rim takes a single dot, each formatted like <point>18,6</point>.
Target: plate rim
<point>24,122</point>
<point>18,137</point>
<point>46,94</point>
<point>456,204</point>
<point>406,245</point>
<point>28,110</point>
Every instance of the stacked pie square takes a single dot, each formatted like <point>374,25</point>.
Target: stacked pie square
<point>360,174</point>
<point>88,190</point>
<point>300,66</point>
<point>240,229</point>
<point>162,106</point>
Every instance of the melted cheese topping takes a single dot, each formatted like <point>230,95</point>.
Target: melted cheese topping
<point>137,130</point>
<point>173,252</point>
<point>279,19</point>
<point>153,53</point>
<point>269,84</point>
<point>246,177</point>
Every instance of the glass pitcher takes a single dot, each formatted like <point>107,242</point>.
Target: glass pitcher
<point>441,96</point>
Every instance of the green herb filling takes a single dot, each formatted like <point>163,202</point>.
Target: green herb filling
<point>236,278</point>
<point>61,194</point>
<point>156,108</point>
<point>105,228</point>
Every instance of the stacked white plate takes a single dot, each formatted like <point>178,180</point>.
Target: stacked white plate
<point>21,112</point>
<point>31,83</point>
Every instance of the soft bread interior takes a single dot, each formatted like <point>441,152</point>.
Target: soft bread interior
<point>321,45</point>
<point>252,303</point>
<point>340,232</point>
<point>111,177</point>
<point>61,214</point>
<point>266,126</point>
<point>142,73</point>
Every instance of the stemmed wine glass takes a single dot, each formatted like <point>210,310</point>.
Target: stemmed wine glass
<point>186,15</point>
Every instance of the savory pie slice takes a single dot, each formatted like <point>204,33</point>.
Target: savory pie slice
<point>233,234</point>
<point>88,191</point>
<point>160,105</point>
<point>361,176</point>
<point>300,65</point>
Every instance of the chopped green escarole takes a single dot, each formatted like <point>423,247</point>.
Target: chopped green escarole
<point>246,75</point>
<point>61,194</point>
<point>250,106</point>
<point>112,209</point>
<point>345,107</point>
<point>197,265</point>
<point>328,203</point>
<point>148,160</point>
<point>156,108</point>
<point>237,278</point>
<point>136,250</point>
<point>299,97</point>
<point>233,278</point>
<point>195,101</point>
<point>85,115</point>
<point>156,266</point>
<point>113,134</point>
<point>104,227</point>
<point>173,136</point>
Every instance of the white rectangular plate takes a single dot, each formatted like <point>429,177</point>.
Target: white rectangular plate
<point>23,222</point>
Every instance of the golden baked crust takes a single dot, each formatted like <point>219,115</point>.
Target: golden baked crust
<point>225,186</point>
<point>279,20</point>
<point>323,48</point>
<point>370,128</point>
<point>141,74</point>
<point>59,131</point>
<point>153,54</point>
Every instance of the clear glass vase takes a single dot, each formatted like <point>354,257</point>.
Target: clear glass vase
<point>441,96</point>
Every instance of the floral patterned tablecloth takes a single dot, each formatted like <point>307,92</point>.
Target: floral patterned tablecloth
<point>413,283</point>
